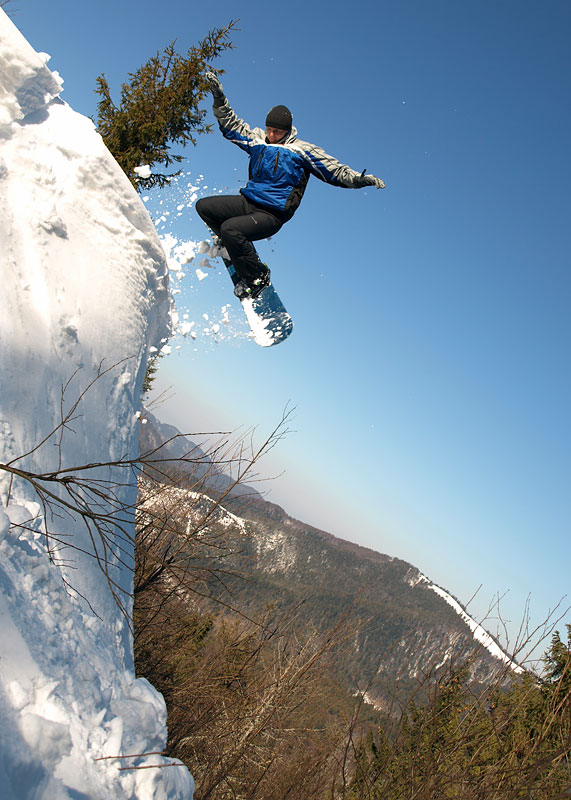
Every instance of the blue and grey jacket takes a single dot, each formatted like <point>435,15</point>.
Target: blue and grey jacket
<point>278,173</point>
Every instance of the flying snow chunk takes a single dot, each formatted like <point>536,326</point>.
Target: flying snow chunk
<point>201,275</point>
<point>184,251</point>
<point>144,171</point>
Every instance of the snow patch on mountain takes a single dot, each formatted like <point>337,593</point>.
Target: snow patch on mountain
<point>480,634</point>
<point>276,550</point>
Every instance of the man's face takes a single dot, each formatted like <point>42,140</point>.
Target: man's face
<point>275,135</point>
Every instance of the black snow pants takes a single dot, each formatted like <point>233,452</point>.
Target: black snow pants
<point>239,222</point>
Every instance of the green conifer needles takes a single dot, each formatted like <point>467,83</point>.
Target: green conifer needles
<point>160,106</point>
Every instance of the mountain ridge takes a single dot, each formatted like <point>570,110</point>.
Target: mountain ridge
<point>404,623</point>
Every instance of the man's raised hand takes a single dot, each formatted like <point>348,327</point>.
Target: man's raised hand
<point>215,87</point>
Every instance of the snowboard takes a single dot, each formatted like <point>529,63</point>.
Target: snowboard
<point>267,316</point>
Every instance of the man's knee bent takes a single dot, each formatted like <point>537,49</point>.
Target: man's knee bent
<point>202,208</point>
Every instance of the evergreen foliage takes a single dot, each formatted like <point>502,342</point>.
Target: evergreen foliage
<point>500,745</point>
<point>558,663</point>
<point>159,107</point>
<point>150,373</point>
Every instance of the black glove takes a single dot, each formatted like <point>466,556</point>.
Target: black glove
<point>369,180</point>
<point>216,88</point>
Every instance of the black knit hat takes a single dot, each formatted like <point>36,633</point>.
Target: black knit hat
<point>279,117</point>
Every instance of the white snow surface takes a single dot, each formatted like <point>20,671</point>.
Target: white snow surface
<point>480,634</point>
<point>84,300</point>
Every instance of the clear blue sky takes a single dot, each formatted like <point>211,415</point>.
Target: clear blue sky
<point>430,362</point>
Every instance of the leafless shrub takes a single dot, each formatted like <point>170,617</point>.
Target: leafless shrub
<point>93,496</point>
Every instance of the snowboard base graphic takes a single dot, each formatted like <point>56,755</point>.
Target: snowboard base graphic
<point>267,316</point>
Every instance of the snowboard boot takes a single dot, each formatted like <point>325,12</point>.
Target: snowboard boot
<point>242,290</point>
<point>252,290</point>
<point>260,282</point>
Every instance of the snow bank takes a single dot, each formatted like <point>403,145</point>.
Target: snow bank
<point>84,299</point>
<point>27,84</point>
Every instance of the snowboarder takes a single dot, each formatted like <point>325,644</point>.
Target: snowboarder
<point>280,166</point>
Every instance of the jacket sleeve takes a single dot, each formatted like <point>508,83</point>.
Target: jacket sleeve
<point>234,128</point>
<point>328,169</point>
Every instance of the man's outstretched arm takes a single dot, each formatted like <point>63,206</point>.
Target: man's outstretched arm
<point>332,171</point>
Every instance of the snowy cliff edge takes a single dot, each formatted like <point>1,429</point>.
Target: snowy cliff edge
<point>84,298</point>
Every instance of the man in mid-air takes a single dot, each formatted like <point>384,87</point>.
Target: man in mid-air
<point>280,166</point>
